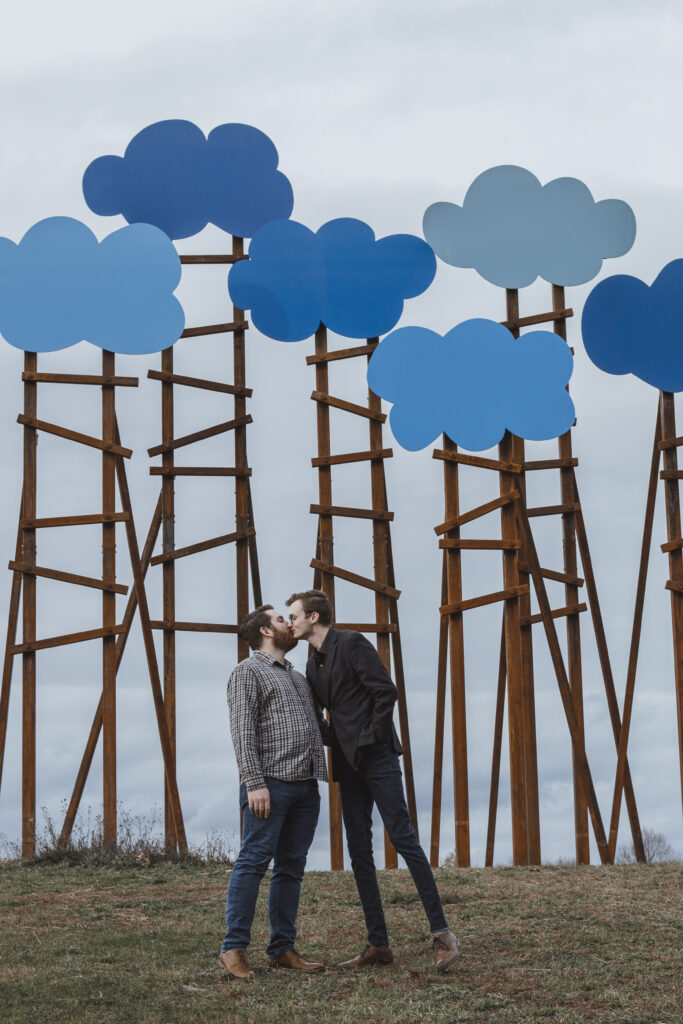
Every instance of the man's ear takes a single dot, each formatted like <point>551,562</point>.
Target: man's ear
<point>315,616</point>
<point>265,631</point>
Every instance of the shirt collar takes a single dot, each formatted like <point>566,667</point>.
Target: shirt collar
<point>271,660</point>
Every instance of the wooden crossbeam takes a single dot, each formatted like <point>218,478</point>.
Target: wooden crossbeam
<point>554,510</point>
<point>352,577</point>
<point>672,545</point>
<point>671,474</point>
<point>199,435</point>
<point>351,513</point>
<point>478,602</point>
<point>341,353</point>
<point>480,545</point>
<point>537,318</point>
<point>674,585</point>
<point>51,521</point>
<point>79,378</point>
<point>341,403</point>
<point>551,574</point>
<point>567,463</point>
<point>197,332</point>
<point>198,471</point>
<point>476,513</point>
<point>67,638</point>
<point>205,545</point>
<point>212,258</point>
<point>368,627</point>
<point>338,460</point>
<point>670,442</point>
<point>74,435</point>
<point>193,627</point>
<point>559,613</point>
<point>476,460</point>
<point>67,577</point>
<point>199,382</point>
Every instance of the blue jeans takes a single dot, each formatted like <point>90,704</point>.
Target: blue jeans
<point>378,781</point>
<point>284,837</point>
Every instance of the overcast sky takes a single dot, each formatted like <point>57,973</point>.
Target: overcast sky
<point>378,108</point>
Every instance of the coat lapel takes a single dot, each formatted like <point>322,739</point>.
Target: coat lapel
<point>331,654</point>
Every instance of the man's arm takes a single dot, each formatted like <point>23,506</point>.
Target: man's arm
<point>244,713</point>
<point>371,672</point>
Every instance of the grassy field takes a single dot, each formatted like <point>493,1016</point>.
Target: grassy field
<point>140,944</point>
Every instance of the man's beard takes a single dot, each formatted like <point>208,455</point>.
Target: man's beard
<point>284,641</point>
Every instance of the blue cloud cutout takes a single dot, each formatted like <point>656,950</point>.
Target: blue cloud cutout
<point>511,229</point>
<point>59,286</point>
<point>174,177</point>
<point>473,384</point>
<point>341,276</point>
<point>629,327</point>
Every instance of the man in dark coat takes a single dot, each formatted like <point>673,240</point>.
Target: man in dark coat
<point>348,678</point>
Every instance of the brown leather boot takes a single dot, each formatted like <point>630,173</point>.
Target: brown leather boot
<point>234,962</point>
<point>447,949</point>
<point>294,961</point>
<point>380,955</point>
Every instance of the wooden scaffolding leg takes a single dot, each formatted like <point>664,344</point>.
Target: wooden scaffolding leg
<point>28,658</point>
<point>168,576</point>
<point>8,663</point>
<point>439,726</point>
<point>457,667</point>
<point>497,746</point>
<point>326,546</point>
<point>622,780</point>
<point>563,682</point>
<point>96,727</point>
<point>109,608</point>
<point>671,475</point>
<point>242,516</point>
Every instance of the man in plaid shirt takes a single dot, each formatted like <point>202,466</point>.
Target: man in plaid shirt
<point>277,731</point>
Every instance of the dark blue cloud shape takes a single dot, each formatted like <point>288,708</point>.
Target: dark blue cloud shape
<point>59,286</point>
<point>629,327</point>
<point>175,178</point>
<point>511,229</point>
<point>473,384</point>
<point>340,276</point>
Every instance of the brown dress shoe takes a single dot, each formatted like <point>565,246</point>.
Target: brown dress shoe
<point>234,962</point>
<point>294,961</point>
<point>447,950</point>
<point>380,955</point>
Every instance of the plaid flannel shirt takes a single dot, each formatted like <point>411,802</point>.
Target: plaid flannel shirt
<point>277,727</point>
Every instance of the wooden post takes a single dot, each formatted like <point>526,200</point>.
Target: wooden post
<point>673,528</point>
<point>109,607</point>
<point>28,784</point>
<point>11,639</point>
<point>242,489</point>
<point>326,549</point>
<point>513,651</point>
<point>457,667</point>
<point>168,575</point>
<point>569,497</point>
<point>497,746</point>
<point>439,724</point>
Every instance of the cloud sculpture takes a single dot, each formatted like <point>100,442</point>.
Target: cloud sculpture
<point>296,279</point>
<point>511,229</point>
<point>473,384</point>
<point>174,177</point>
<point>59,286</point>
<point>629,327</point>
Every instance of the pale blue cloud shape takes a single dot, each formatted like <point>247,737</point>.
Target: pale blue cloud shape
<point>511,229</point>
<point>473,384</point>
<point>59,286</point>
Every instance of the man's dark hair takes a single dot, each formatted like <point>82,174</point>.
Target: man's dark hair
<point>314,601</point>
<point>250,626</point>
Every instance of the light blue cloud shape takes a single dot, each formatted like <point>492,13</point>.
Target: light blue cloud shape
<point>473,384</point>
<point>59,286</point>
<point>341,276</point>
<point>176,178</point>
<point>511,229</point>
<point>629,327</point>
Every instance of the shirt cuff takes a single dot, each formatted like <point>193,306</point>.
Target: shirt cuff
<point>254,782</point>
